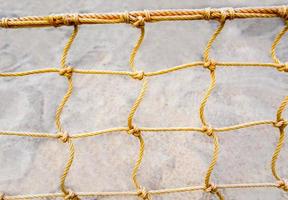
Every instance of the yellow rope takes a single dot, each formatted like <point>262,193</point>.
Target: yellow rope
<point>276,42</point>
<point>148,16</point>
<point>138,19</point>
<point>136,48</point>
<point>152,192</point>
<point>66,71</point>
<point>211,65</point>
<point>146,74</point>
<point>279,123</point>
<point>142,129</point>
<point>132,129</point>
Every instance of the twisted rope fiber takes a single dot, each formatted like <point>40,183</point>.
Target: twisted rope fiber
<point>149,16</point>
<point>138,19</point>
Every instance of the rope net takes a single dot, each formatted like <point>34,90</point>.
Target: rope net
<point>138,19</point>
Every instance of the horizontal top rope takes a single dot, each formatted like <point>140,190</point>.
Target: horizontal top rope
<point>138,18</point>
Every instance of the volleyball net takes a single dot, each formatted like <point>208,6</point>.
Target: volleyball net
<point>139,19</point>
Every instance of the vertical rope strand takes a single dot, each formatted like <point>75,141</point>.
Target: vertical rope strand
<point>210,64</point>
<point>280,124</point>
<point>212,72</point>
<point>211,41</point>
<point>67,167</point>
<point>281,108</point>
<point>276,154</point>
<point>68,46</point>
<point>207,95</point>
<point>62,105</point>
<point>281,138</point>
<point>276,42</point>
<point>141,192</point>
<point>136,48</point>
<point>213,161</point>
<point>137,103</point>
<point>67,72</point>
<point>138,162</point>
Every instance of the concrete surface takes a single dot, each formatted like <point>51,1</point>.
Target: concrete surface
<point>105,163</point>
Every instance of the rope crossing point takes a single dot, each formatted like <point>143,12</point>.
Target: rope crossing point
<point>138,19</point>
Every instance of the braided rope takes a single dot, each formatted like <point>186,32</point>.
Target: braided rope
<point>138,19</point>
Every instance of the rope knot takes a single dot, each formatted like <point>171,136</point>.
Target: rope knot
<point>71,196</point>
<point>2,196</point>
<point>138,75</point>
<point>223,15</point>
<point>283,68</point>
<point>63,136</point>
<point>207,14</point>
<point>283,184</point>
<point>283,12</point>
<point>134,131</point>
<point>228,13</point>
<point>208,130</point>
<point>212,188</point>
<point>144,194</point>
<point>147,16</point>
<point>54,20</point>
<point>210,64</point>
<point>71,19</point>
<point>4,22</point>
<point>280,124</point>
<point>136,21</point>
<point>66,71</point>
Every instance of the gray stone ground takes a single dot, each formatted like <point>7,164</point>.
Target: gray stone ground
<point>104,163</point>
